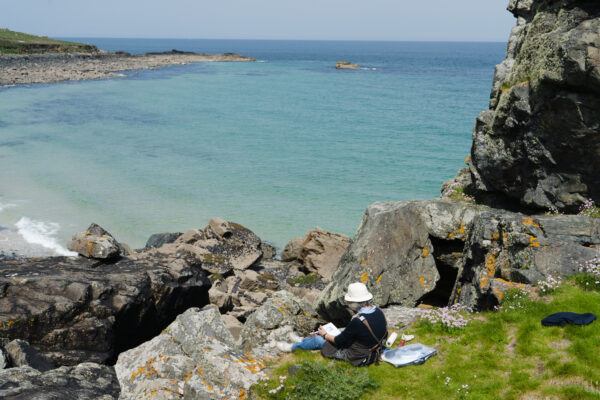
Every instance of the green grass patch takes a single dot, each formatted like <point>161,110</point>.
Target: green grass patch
<point>23,43</point>
<point>504,354</point>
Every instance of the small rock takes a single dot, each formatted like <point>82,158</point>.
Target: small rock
<point>21,354</point>
<point>158,239</point>
<point>346,65</point>
<point>95,243</point>
<point>291,251</point>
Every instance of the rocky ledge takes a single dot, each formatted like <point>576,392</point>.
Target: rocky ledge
<point>49,68</point>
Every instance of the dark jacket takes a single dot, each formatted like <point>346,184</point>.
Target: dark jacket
<point>356,344</point>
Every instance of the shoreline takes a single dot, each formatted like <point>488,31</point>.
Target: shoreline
<point>14,245</point>
<point>56,67</point>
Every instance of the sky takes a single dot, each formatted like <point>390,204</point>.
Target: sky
<point>396,20</point>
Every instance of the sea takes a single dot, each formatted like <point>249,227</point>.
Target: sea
<point>281,145</point>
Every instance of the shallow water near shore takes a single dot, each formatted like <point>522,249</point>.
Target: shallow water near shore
<point>280,146</point>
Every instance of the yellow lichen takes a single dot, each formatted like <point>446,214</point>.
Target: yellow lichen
<point>379,278</point>
<point>364,277</point>
<point>425,252</point>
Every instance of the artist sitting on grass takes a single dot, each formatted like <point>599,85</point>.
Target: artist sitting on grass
<point>360,342</point>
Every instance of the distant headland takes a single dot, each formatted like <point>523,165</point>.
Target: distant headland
<point>28,59</point>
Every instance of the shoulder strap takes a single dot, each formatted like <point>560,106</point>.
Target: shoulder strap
<point>377,347</point>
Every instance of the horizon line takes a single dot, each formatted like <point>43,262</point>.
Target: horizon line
<point>285,40</point>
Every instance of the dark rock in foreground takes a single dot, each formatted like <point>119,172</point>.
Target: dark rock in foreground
<point>87,381</point>
<point>76,309</point>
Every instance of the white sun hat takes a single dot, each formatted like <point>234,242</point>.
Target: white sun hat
<point>357,292</point>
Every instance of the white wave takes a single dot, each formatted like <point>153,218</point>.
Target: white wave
<point>5,206</point>
<point>368,69</point>
<point>260,61</point>
<point>42,233</point>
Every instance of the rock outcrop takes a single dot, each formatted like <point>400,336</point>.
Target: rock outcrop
<point>537,146</point>
<point>78,309</point>
<point>282,313</point>
<point>194,358</point>
<point>439,252</point>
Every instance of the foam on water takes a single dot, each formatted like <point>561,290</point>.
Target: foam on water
<point>43,234</point>
<point>5,206</point>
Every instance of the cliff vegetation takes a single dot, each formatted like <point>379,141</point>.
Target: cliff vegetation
<point>22,43</point>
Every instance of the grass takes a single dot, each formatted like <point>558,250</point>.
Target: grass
<point>23,43</point>
<point>306,279</point>
<point>505,354</point>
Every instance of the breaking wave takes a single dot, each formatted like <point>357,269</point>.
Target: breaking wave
<point>42,233</point>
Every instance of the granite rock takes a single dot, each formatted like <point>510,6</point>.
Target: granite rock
<point>193,358</point>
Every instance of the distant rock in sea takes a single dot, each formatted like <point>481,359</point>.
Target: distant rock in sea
<point>346,65</point>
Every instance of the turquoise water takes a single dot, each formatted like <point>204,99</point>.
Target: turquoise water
<point>281,145</point>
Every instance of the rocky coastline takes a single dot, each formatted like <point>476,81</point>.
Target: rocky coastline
<point>196,314</point>
<point>58,67</point>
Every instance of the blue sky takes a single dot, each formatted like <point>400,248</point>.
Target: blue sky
<point>426,20</point>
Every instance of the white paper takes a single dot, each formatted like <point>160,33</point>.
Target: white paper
<point>331,329</point>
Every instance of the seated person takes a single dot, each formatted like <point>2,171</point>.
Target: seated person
<point>360,342</point>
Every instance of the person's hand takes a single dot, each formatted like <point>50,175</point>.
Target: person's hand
<point>321,331</point>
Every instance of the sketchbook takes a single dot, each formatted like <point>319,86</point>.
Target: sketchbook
<point>331,329</point>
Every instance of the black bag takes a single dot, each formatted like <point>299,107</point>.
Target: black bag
<point>564,318</point>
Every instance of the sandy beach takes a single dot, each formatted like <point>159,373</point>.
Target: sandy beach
<point>49,68</point>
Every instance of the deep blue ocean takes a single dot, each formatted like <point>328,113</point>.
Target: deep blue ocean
<point>280,145</point>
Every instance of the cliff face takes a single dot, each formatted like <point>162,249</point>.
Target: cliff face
<point>538,145</point>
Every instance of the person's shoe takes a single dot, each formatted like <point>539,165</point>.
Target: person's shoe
<point>294,338</point>
<point>284,347</point>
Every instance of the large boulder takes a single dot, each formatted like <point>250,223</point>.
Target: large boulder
<point>87,381</point>
<point>95,242</point>
<point>78,309</point>
<point>537,146</point>
<point>438,252</point>
<point>393,254</point>
<point>321,251</point>
<point>281,314</point>
<point>193,358</point>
